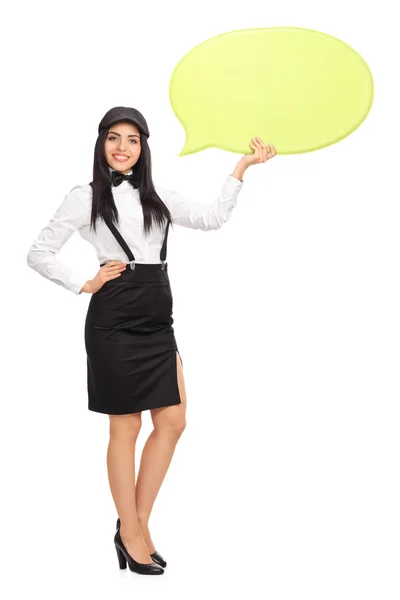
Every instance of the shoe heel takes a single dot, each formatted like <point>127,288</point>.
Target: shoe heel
<point>121,558</point>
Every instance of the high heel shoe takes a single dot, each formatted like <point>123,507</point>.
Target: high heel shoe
<point>155,556</point>
<point>124,557</point>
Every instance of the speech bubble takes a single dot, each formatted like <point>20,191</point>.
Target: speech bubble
<point>298,89</point>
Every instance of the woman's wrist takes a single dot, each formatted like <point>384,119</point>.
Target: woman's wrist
<point>239,170</point>
<point>87,287</point>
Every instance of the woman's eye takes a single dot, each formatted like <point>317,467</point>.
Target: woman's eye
<point>112,137</point>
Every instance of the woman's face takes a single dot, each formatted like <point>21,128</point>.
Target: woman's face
<point>122,146</point>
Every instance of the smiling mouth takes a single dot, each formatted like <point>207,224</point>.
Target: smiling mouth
<point>120,157</point>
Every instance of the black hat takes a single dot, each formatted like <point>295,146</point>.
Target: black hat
<point>123,113</point>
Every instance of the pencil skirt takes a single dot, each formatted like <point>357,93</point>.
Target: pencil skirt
<point>130,343</point>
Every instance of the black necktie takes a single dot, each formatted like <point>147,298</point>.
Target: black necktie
<point>118,178</point>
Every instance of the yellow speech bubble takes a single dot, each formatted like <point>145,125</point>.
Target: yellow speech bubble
<point>298,89</point>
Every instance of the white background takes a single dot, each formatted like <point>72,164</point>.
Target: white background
<point>285,484</point>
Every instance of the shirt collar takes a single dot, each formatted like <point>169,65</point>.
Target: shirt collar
<point>111,170</point>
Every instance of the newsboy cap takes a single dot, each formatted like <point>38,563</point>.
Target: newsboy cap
<point>124,113</point>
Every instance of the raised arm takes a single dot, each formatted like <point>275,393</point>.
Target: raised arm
<point>199,215</point>
<point>66,220</point>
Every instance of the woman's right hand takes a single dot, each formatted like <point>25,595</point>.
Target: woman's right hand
<point>111,270</point>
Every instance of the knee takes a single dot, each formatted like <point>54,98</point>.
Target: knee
<point>179,426</point>
<point>173,427</point>
<point>125,427</point>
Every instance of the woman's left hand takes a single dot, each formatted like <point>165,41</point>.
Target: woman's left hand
<point>262,152</point>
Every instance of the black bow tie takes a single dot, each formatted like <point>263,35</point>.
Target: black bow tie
<point>118,178</point>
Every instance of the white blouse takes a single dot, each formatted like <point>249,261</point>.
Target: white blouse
<point>74,215</point>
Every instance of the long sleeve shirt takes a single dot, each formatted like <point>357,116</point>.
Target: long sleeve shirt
<point>74,215</point>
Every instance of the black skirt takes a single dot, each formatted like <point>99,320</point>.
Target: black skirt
<point>130,343</point>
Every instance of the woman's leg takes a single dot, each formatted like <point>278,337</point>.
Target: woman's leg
<point>169,423</point>
<point>124,430</point>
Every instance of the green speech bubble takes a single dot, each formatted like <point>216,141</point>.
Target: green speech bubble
<point>296,88</point>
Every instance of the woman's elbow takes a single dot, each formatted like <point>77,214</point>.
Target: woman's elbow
<point>218,221</point>
<point>29,258</point>
<point>32,258</point>
<point>214,221</point>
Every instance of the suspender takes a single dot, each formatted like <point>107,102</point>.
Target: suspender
<point>163,253</point>
<point>127,250</point>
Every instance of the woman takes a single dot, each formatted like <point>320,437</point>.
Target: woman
<point>133,362</point>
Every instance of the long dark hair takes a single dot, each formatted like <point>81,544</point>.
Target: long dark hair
<point>103,205</point>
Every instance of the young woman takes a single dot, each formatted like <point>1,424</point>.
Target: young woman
<point>133,362</point>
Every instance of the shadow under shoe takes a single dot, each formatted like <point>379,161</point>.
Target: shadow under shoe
<point>155,556</point>
<point>124,557</point>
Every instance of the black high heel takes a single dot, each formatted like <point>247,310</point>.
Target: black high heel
<point>124,557</point>
<point>155,556</point>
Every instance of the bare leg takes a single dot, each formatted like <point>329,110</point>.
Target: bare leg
<point>124,430</point>
<point>169,423</point>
